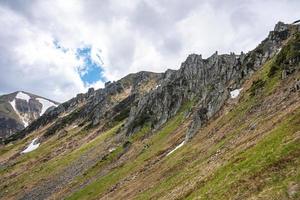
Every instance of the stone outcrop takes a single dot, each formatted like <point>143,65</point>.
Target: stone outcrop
<point>100,107</point>
<point>206,82</point>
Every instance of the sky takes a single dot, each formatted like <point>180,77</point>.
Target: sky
<point>57,49</point>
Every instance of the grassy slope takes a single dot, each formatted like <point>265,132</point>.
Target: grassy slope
<point>228,159</point>
<point>260,162</point>
<point>262,168</point>
<point>28,170</point>
<point>256,164</point>
<point>156,144</point>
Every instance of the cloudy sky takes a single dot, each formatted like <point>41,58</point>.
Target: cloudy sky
<point>58,48</point>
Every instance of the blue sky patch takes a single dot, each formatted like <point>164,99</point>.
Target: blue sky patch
<point>91,71</point>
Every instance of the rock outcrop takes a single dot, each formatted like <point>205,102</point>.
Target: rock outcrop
<point>100,107</point>
<point>206,82</point>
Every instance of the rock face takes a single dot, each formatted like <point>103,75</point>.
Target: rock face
<point>19,109</point>
<point>206,82</point>
<point>151,99</point>
<point>97,107</point>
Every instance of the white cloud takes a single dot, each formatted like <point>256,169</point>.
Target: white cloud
<point>30,61</point>
<point>129,35</point>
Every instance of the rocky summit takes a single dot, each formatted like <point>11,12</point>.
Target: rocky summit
<point>222,127</point>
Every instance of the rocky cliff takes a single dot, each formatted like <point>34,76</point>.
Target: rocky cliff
<point>102,108</point>
<point>206,82</point>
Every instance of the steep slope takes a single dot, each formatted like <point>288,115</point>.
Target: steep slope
<point>19,109</point>
<point>226,127</point>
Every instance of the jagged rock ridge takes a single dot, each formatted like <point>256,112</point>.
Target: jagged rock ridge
<point>153,98</point>
<point>207,82</point>
<point>101,107</point>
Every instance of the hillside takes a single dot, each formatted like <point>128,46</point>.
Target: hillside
<point>225,127</point>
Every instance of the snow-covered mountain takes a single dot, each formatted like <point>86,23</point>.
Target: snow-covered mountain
<point>19,109</point>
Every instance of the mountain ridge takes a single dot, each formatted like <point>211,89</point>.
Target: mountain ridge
<point>174,135</point>
<point>252,61</point>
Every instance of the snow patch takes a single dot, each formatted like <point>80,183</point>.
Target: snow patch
<point>32,146</point>
<point>23,119</point>
<point>45,105</point>
<point>74,126</point>
<point>278,51</point>
<point>112,149</point>
<point>13,104</point>
<point>178,146</point>
<point>235,93</point>
<point>157,86</point>
<point>22,95</point>
<point>26,123</point>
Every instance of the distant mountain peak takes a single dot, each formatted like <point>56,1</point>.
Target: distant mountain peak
<point>19,109</point>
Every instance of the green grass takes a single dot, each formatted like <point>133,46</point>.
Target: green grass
<point>226,181</point>
<point>92,172</point>
<point>290,51</point>
<point>235,177</point>
<point>270,73</point>
<point>157,143</point>
<point>184,164</point>
<point>265,86</point>
<point>53,166</point>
